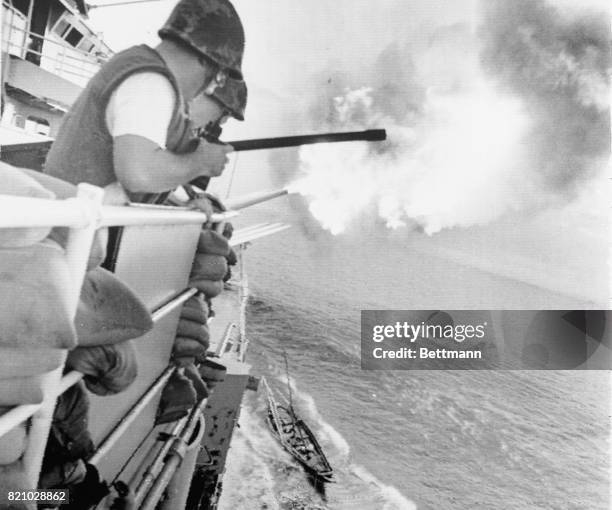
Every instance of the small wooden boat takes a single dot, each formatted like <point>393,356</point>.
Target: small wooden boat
<point>297,438</point>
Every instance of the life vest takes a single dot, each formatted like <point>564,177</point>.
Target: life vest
<point>83,148</point>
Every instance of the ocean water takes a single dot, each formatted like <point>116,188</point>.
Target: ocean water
<point>412,439</point>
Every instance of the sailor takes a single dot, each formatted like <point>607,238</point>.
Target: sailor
<point>127,123</point>
<point>112,133</point>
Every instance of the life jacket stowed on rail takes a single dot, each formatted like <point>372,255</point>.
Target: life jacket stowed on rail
<point>36,323</point>
<point>108,311</point>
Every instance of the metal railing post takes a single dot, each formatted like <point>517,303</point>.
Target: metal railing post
<point>77,253</point>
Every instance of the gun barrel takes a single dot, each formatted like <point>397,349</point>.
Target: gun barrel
<point>244,201</point>
<point>369,135</point>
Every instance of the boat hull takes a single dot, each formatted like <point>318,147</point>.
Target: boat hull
<point>297,438</point>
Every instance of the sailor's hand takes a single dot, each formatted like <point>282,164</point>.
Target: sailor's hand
<point>213,157</point>
<point>207,203</point>
<point>115,194</point>
<point>202,203</point>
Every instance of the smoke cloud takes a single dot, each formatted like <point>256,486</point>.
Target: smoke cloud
<point>507,117</point>
<point>558,63</point>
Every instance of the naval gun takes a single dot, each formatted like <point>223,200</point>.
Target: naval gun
<point>212,132</point>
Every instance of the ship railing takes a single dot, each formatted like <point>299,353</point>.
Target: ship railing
<point>241,240</point>
<point>57,57</point>
<point>83,215</point>
<point>12,17</point>
<point>227,341</point>
<point>243,343</point>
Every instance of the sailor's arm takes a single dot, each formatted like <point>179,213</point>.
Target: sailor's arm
<point>138,117</point>
<point>142,166</point>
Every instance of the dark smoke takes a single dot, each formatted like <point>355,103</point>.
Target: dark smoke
<point>396,93</point>
<point>560,67</point>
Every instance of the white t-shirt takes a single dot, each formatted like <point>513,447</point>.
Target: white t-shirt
<point>142,105</point>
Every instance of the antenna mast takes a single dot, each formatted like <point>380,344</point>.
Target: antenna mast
<point>116,4</point>
<point>288,382</point>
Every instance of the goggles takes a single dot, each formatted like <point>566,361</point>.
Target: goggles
<point>218,80</point>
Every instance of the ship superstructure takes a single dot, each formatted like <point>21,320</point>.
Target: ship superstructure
<point>49,52</point>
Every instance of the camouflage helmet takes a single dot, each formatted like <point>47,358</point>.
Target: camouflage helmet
<point>212,28</point>
<point>233,97</point>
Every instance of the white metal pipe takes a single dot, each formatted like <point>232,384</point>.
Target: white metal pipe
<point>155,467</point>
<point>256,234</point>
<point>174,460</point>
<point>26,212</point>
<point>132,414</point>
<point>113,216</point>
<point>40,424</point>
<point>250,228</point>
<point>164,310</point>
<point>19,414</point>
<point>162,481</point>
<point>177,491</point>
<point>15,416</point>
<point>80,240</point>
<point>69,380</point>
<point>255,228</point>
<point>254,198</point>
<point>115,4</point>
<point>16,212</point>
<point>243,237</point>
